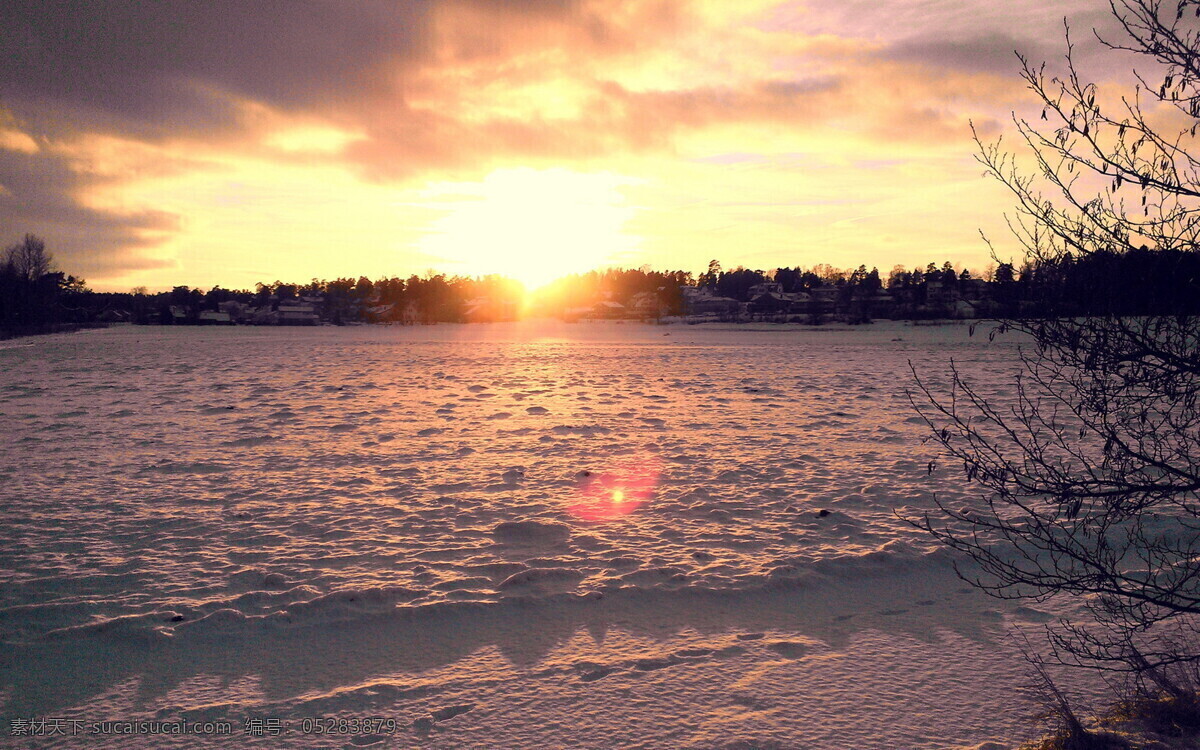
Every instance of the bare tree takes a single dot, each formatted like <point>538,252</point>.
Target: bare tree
<point>1090,479</point>
<point>29,259</point>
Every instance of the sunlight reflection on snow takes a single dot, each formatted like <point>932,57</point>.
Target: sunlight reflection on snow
<point>614,494</point>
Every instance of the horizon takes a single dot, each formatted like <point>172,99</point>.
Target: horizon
<point>540,139</point>
<point>526,290</point>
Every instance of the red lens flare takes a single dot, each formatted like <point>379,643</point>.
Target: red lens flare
<point>613,494</point>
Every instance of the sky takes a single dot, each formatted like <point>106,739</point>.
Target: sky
<point>232,142</point>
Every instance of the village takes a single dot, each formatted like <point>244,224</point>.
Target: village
<point>1139,282</point>
<point>764,302</point>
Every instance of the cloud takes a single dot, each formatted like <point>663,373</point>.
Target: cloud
<point>992,52</point>
<point>379,78</point>
<point>15,140</point>
<point>41,194</point>
<point>895,20</point>
<point>175,65</point>
<point>101,99</point>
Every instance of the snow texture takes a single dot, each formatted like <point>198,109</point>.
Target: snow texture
<point>505,536</point>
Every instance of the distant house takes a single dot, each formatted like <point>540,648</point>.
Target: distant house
<point>215,317</point>
<point>410,313</point>
<point>237,311</point>
<point>294,312</point>
<point>941,294</point>
<point>648,305</point>
<point>115,316</point>
<point>766,287</point>
<point>964,309</point>
<point>264,316</point>
<point>609,309</point>
<point>701,301</point>
<point>379,313</point>
<point>882,303</point>
<point>489,310</point>
<point>768,298</point>
<point>768,303</point>
<point>824,298</point>
<point>973,290</point>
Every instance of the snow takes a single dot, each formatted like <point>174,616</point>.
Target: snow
<point>510,535</point>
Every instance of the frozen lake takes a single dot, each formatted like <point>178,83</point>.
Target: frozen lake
<point>510,536</point>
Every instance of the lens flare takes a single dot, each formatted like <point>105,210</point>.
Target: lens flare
<point>614,494</point>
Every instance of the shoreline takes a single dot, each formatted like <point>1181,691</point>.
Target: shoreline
<point>7,334</point>
<point>702,324</point>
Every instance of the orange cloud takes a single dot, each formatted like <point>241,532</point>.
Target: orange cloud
<point>185,142</point>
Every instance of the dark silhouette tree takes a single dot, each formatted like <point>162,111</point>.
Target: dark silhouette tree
<point>29,259</point>
<point>709,278</point>
<point>872,282</point>
<point>33,296</point>
<point>1091,480</point>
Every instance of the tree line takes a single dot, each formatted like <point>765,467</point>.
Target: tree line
<point>36,297</point>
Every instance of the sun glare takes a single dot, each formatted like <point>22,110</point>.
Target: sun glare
<point>531,225</point>
<point>616,493</point>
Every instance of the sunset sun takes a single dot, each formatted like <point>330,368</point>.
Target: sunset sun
<point>531,225</point>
